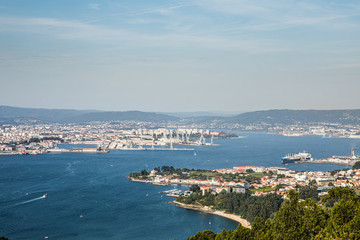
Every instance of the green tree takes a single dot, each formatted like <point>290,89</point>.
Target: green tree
<point>309,191</point>
<point>356,165</point>
<point>224,235</point>
<point>337,194</point>
<point>242,233</point>
<point>344,221</point>
<point>298,219</point>
<point>144,172</point>
<point>249,170</point>
<point>205,235</point>
<point>194,188</point>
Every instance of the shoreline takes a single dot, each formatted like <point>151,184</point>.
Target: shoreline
<point>234,217</point>
<point>165,183</point>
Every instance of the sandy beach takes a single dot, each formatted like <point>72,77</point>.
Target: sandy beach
<point>234,217</point>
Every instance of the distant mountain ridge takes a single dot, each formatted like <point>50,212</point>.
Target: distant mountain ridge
<point>122,116</point>
<point>13,115</point>
<point>287,116</point>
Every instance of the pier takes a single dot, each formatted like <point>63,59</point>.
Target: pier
<point>155,149</point>
<point>84,150</point>
<point>331,161</point>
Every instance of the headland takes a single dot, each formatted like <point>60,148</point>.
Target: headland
<point>206,209</point>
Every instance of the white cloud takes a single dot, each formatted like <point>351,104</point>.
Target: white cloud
<point>75,30</point>
<point>65,29</point>
<point>282,14</point>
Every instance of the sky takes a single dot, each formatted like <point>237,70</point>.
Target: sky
<point>180,56</point>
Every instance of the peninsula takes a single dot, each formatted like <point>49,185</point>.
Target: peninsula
<point>245,192</point>
<point>206,209</point>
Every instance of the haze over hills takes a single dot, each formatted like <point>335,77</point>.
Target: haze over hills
<point>287,116</point>
<point>202,114</point>
<point>13,115</point>
<point>122,116</point>
<point>10,115</point>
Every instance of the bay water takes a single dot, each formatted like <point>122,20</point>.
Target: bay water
<point>90,196</point>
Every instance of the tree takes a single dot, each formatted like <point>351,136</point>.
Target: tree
<point>261,229</point>
<point>242,233</point>
<point>298,219</point>
<point>356,165</point>
<point>309,192</point>
<point>344,221</point>
<point>144,172</point>
<point>224,235</point>
<point>194,188</point>
<point>335,195</point>
<point>167,169</point>
<point>205,235</point>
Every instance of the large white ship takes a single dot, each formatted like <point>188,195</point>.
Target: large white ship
<point>293,158</point>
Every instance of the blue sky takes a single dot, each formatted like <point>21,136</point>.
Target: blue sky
<point>213,55</point>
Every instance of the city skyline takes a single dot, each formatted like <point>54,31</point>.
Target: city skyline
<point>180,56</point>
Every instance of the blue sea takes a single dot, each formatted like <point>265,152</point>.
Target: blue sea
<point>90,197</point>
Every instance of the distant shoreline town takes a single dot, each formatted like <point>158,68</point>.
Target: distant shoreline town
<point>39,139</point>
<point>47,138</point>
<point>326,123</point>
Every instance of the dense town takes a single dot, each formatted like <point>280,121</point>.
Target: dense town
<point>260,180</point>
<point>38,139</point>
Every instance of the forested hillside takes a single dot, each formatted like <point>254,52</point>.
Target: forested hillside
<point>336,216</point>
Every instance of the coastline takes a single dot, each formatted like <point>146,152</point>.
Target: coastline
<point>234,217</point>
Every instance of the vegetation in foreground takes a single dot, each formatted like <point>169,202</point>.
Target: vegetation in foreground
<point>336,216</point>
<point>244,204</point>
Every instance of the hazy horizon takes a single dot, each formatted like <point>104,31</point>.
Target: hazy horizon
<point>197,113</point>
<point>180,56</point>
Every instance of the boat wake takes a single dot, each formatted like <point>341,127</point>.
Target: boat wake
<point>31,200</point>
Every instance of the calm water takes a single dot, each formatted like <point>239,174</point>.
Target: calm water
<point>89,196</point>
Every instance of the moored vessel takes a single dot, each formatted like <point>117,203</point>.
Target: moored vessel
<point>297,157</point>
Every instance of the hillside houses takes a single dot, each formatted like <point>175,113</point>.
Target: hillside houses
<point>274,179</point>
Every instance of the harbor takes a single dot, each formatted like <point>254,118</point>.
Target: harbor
<point>173,193</point>
<point>304,157</point>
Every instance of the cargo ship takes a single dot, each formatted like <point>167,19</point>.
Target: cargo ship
<point>297,157</point>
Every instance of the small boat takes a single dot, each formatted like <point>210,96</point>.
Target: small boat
<point>45,195</point>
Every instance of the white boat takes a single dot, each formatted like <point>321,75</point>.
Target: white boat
<point>297,157</point>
